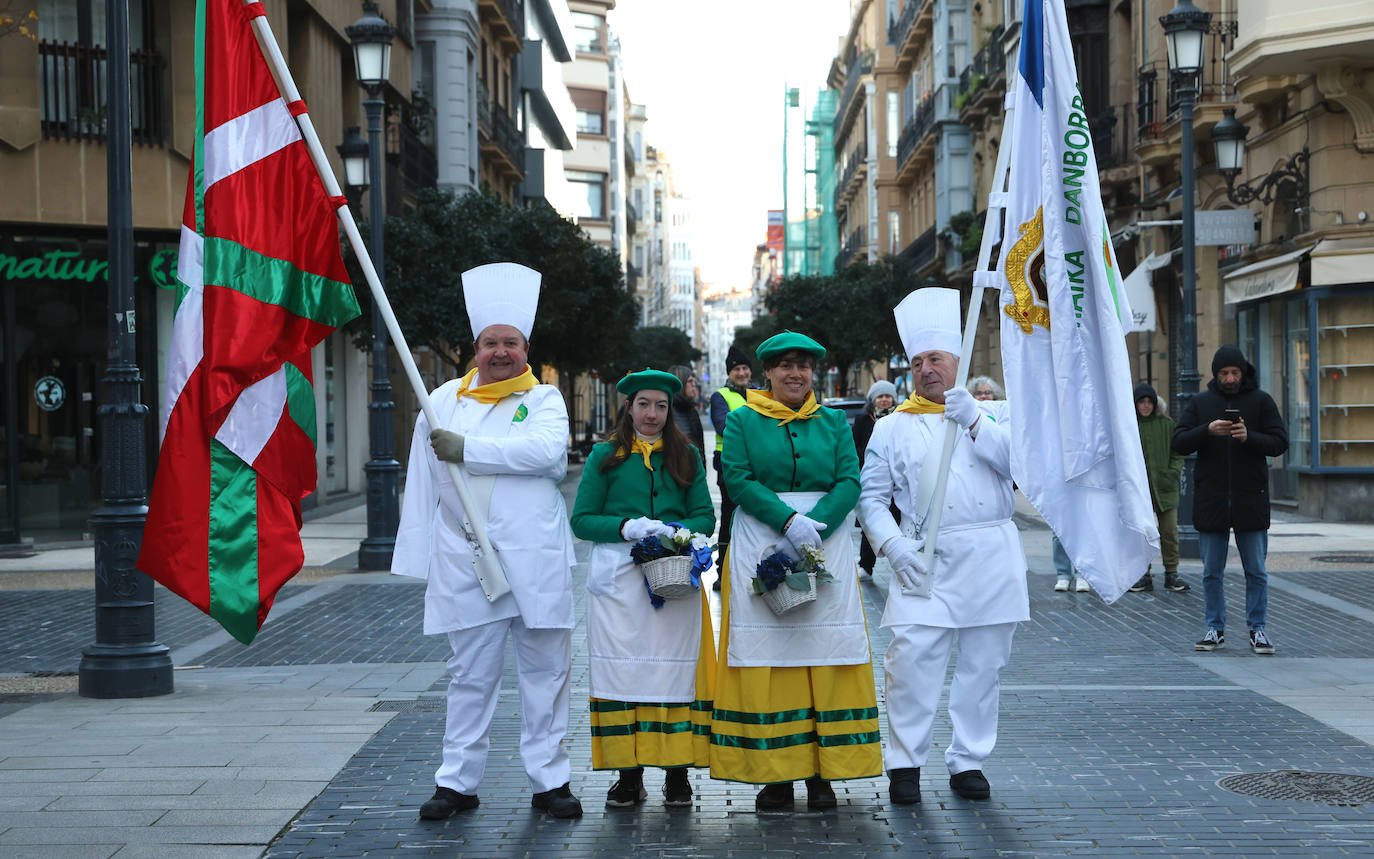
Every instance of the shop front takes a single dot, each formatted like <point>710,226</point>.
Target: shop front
<point>1306,320</point>
<point>55,312</point>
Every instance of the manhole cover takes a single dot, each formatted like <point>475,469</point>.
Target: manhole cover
<point>1326,788</point>
<point>1346,558</point>
<point>417,705</point>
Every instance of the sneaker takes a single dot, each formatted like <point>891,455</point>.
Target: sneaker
<point>1260,643</point>
<point>1211,641</point>
<point>1081,585</point>
<point>1062,584</point>
<point>445,803</point>
<point>559,802</point>
<point>677,790</point>
<point>1175,583</point>
<point>1144,583</point>
<point>628,790</point>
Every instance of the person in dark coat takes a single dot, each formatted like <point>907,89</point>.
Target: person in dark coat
<point>685,413</point>
<point>1233,427</point>
<point>739,372</point>
<point>882,399</point>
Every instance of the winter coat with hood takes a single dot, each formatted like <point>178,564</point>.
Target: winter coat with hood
<point>1232,477</point>
<point>1162,464</point>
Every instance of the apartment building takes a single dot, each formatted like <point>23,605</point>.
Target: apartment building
<point>53,231</point>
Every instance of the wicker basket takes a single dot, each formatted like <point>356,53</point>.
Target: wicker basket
<point>670,577</point>
<point>783,599</point>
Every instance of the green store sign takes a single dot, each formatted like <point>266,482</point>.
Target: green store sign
<point>59,265</point>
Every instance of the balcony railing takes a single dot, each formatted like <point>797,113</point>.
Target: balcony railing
<point>853,243</point>
<point>419,164</point>
<point>860,64</point>
<point>921,252</point>
<point>1157,98</point>
<point>1113,139</point>
<point>73,81</point>
<point>498,126</point>
<point>915,129</point>
<point>857,157</point>
<point>897,30</point>
<point>986,65</point>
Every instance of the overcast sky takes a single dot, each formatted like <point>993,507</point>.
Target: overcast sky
<point>711,75</point>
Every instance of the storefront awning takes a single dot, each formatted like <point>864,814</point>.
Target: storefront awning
<point>1267,277</point>
<point>1140,292</point>
<point>1339,261</point>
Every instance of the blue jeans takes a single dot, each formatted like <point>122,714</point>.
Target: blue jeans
<point>1062,565</point>
<point>1254,547</point>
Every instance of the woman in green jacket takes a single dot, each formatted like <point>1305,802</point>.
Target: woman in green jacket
<point>652,662</point>
<point>794,693</point>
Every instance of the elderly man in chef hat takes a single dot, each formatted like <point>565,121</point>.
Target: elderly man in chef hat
<point>977,589</point>
<point>509,434</point>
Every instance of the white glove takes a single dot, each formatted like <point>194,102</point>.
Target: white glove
<point>908,566</point>
<point>637,529</point>
<point>448,446</point>
<point>962,408</point>
<point>803,531</point>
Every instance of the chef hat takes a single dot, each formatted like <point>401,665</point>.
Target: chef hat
<point>501,293</point>
<point>927,319</point>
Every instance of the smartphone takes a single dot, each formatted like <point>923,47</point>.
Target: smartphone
<point>1232,415</point>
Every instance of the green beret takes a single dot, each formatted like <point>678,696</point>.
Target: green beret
<point>656,380</point>
<point>786,341</point>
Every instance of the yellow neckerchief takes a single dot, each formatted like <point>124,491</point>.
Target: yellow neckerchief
<point>645,448</point>
<point>765,404</point>
<point>495,392</point>
<point>919,405</point>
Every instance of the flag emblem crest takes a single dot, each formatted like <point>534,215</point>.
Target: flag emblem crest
<point>1026,275</point>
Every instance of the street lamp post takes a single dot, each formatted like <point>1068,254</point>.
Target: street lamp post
<point>1185,27</point>
<point>371,38</point>
<point>126,660</point>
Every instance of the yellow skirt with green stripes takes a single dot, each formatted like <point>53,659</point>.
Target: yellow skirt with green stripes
<point>786,724</point>
<point>627,734</point>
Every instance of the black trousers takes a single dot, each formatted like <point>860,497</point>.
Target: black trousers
<point>727,506</point>
<point>868,557</point>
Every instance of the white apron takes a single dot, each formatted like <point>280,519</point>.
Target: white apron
<point>828,631</point>
<point>636,652</point>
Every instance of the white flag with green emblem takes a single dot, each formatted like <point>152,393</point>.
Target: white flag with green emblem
<point>1076,449</point>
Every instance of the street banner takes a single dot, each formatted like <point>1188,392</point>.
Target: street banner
<point>260,282</point>
<point>1076,448</point>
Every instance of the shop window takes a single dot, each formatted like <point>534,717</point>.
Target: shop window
<point>1345,390</point>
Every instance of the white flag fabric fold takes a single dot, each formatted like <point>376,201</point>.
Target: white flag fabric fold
<point>1076,452</point>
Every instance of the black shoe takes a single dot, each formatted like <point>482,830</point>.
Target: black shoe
<point>715,586</point>
<point>1260,643</point>
<point>904,785</point>
<point>1175,583</point>
<point>628,790</point>
<point>1144,583</point>
<point>1211,641</point>
<point>559,802</point>
<point>774,797</point>
<point>867,571</point>
<point>819,794</point>
<point>446,803</point>
<point>677,790</point>
<point>970,784</point>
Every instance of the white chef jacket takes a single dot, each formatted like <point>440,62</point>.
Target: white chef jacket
<point>980,568</point>
<point>522,452</point>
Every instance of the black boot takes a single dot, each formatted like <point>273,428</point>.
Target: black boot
<point>677,790</point>
<point>628,790</point>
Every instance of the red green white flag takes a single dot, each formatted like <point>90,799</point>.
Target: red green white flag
<point>260,282</point>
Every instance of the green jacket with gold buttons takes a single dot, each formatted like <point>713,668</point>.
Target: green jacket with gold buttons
<point>762,459</point>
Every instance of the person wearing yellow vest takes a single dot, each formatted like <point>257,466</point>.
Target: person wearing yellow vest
<point>794,693</point>
<point>739,373</point>
<point>978,586</point>
<point>509,435</point>
<point>652,661</point>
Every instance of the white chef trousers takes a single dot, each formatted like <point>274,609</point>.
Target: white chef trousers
<point>542,658</point>
<point>914,668</point>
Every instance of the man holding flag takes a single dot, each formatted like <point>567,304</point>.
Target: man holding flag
<point>978,584</point>
<point>510,435</point>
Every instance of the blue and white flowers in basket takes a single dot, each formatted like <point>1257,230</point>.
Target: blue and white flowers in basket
<point>672,563</point>
<point>786,583</point>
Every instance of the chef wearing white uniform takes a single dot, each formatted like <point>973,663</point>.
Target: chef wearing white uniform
<point>509,434</point>
<point>978,584</point>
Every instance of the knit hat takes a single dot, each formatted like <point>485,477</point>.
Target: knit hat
<point>734,357</point>
<point>1229,356</point>
<point>880,387</point>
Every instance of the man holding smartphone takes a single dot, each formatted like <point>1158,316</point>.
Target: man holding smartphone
<point>1233,427</point>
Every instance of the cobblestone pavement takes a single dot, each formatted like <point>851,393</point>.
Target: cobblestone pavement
<point>1113,738</point>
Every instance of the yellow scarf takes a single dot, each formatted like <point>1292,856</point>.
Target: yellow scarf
<point>495,392</point>
<point>644,448</point>
<point>919,405</point>
<point>765,404</point>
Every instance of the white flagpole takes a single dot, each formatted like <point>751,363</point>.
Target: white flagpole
<point>982,278</point>
<point>487,565</point>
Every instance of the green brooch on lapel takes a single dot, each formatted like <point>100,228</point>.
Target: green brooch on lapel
<point>520,414</point>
